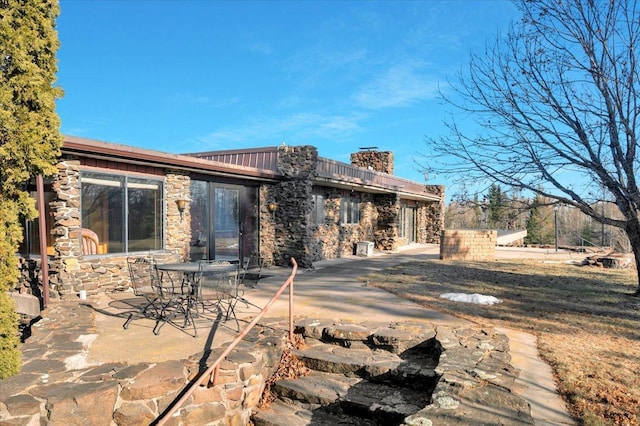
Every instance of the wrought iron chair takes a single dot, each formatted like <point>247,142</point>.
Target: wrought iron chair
<point>217,286</point>
<point>162,303</point>
<point>251,269</point>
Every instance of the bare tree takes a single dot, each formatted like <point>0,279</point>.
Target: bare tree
<point>556,101</point>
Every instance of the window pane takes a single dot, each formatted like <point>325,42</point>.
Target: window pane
<point>30,232</point>
<point>102,201</point>
<point>145,214</point>
<point>227,224</point>
<point>318,213</point>
<point>250,220</point>
<point>199,208</point>
<point>349,211</point>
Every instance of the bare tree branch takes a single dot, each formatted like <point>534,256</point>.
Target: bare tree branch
<point>555,104</point>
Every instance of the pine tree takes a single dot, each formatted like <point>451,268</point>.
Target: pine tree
<point>534,225</point>
<point>30,138</point>
<point>497,207</point>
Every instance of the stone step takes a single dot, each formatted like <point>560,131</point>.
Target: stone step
<point>386,404</point>
<point>392,337</point>
<point>338,360</point>
<point>279,413</point>
<point>351,397</point>
<point>317,388</point>
<point>416,370</point>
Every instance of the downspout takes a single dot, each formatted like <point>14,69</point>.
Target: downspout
<point>42,232</point>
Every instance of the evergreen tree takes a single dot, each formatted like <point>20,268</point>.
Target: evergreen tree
<point>534,225</point>
<point>497,207</point>
<point>30,138</point>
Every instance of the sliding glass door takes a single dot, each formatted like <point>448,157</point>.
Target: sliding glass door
<point>223,220</point>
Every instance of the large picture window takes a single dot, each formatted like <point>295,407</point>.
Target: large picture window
<point>124,212</point>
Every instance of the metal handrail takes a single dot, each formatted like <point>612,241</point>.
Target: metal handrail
<point>215,366</point>
<point>584,240</point>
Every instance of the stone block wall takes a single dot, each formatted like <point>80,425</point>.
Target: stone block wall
<point>468,245</point>
<point>325,237</point>
<point>63,276</point>
<point>266,220</point>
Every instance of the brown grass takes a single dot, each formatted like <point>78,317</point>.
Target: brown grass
<point>588,326</point>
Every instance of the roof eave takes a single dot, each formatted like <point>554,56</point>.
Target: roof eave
<point>133,155</point>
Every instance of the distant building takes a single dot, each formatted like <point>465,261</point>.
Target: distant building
<point>109,202</point>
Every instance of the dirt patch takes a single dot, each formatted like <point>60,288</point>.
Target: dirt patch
<point>588,326</point>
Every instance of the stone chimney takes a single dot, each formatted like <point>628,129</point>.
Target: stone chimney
<point>380,161</point>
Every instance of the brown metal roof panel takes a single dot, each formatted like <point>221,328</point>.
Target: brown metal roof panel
<point>124,153</point>
<point>259,159</point>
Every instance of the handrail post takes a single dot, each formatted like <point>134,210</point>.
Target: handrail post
<point>291,312</point>
<point>216,374</point>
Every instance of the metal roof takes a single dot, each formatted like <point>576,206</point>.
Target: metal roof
<point>252,164</point>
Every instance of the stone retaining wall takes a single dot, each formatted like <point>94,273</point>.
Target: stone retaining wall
<point>468,244</point>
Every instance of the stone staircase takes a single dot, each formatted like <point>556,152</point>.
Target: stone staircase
<point>398,374</point>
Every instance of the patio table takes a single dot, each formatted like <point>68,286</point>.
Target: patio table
<point>192,270</point>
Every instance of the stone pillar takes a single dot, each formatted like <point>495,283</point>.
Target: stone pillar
<point>267,223</point>
<point>386,234</point>
<point>380,161</point>
<point>294,199</point>
<point>435,215</point>
<point>178,226</point>
<point>66,228</point>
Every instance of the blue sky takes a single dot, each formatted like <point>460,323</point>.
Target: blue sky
<point>185,76</point>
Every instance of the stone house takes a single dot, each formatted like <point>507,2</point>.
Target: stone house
<point>109,202</point>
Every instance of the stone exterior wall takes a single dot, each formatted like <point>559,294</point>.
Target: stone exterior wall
<point>380,161</point>
<point>178,226</point>
<point>267,223</point>
<point>284,233</point>
<point>386,236</point>
<point>468,245</point>
<point>431,217</point>
<point>333,239</point>
<point>66,275</point>
<point>70,271</point>
<point>325,241</point>
<point>294,199</point>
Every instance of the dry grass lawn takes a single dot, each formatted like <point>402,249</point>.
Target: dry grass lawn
<point>588,326</point>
